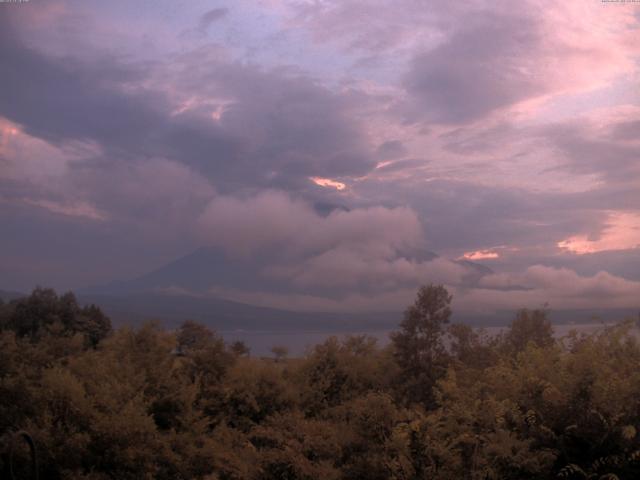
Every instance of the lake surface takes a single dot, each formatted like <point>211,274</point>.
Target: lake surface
<point>261,342</point>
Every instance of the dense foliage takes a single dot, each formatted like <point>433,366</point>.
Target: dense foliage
<point>442,401</point>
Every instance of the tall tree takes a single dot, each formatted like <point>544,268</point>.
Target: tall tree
<point>418,346</point>
<point>44,312</point>
<point>529,326</point>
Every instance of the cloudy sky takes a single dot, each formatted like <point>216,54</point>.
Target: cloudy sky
<point>333,144</point>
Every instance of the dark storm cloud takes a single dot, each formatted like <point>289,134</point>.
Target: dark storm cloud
<point>291,126</point>
<point>277,128</point>
<point>626,130</point>
<point>141,161</point>
<point>474,72</point>
<point>622,263</point>
<point>62,99</point>
<point>211,17</point>
<point>475,141</point>
<point>362,249</point>
<point>391,149</point>
<point>462,215</point>
<point>99,100</point>
<point>404,165</point>
<point>589,151</point>
<point>64,251</point>
<point>147,178</point>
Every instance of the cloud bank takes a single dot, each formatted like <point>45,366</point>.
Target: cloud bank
<point>334,144</point>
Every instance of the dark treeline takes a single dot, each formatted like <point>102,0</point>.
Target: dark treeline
<point>442,401</point>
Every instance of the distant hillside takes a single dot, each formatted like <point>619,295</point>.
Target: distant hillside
<point>7,295</point>
<point>198,271</point>
<point>194,274</point>
<point>220,314</point>
<point>148,297</point>
<point>153,296</point>
<point>224,315</point>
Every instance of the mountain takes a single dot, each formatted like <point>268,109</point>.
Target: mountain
<point>198,271</point>
<point>195,272</point>
<point>134,308</point>
<point>220,314</point>
<point>182,290</point>
<point>8,295</point>
<point>475,271</point>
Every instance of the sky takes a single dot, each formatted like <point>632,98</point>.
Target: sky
<point>332,144</point>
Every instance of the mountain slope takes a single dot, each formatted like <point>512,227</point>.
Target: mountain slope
<point>207,267</point>
<point>182,290</point>
<point>195,272</point>
<point>221,314</point>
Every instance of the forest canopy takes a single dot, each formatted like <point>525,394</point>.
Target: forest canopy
<point>440,401</point>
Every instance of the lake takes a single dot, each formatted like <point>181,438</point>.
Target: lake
<point>297,342</point>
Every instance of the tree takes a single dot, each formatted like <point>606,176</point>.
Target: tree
<point>280,352</point>
<point>94,324</point>
<point>529,326</point>
<point>193,336</point>
<point>418,346</point>
<point>471,347</point>
<point>32,314</point>
<point>45,313</point>
<point>205,362</point>
<point>240,349</point>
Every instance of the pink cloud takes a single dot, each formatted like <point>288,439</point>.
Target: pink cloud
<point>273,219</point>
<point>621,232</point>
<point>481,255</point>
<point>71,209</point>
<point>561,287</point>
<point>328,183</point>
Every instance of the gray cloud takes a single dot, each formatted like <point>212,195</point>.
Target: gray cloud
<point>467,61</point>
<point>476,141</point>
<point>277,128</point>
<point>143,161</point>
<point>586,150</point>
<point>244,226</point>
<point>626,130</point>
<point>621,263</point>
<point>290,126</point>
<point>561,287</point>
<point>405,165</point>
<point>391,149</point>
<point>147,172</point>
<point>463,215</point>
<point>361,250</point>
<point>67,251</point>
<point>210,17</point>
<point>482,67</point>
